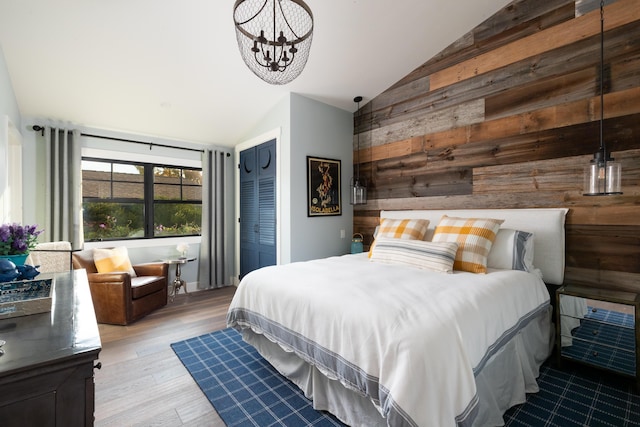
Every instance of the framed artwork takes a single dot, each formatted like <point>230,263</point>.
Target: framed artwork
<point>323,187</point>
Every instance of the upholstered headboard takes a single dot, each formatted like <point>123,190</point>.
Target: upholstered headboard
<point>547,226</point>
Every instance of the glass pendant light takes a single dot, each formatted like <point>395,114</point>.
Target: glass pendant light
<point>603,175</point>
<point>358,193</point>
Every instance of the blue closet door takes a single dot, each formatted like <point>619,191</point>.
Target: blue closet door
<point>257,207</point>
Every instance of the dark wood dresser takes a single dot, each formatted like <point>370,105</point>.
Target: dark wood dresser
<point>46,371</point>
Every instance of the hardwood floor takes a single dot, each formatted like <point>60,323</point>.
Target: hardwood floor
<point>142,382</point>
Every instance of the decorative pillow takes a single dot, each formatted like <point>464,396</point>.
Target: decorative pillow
<point>112,260</point>
<point>415,253</point>
<point>474,237</point>
<point>410,229</point>
<point>512,250</point>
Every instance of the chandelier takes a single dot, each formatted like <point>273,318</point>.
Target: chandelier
<point>274,37</point>
<point>602,177</point>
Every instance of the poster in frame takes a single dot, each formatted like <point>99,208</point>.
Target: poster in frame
<point>324,197</point>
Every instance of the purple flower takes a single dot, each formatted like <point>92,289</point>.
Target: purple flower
<point>31,229</point>
<point>19,245</point>
<point>18,231</point>
<point>16,239</point>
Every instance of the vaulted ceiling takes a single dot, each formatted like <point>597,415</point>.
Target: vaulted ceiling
<point>172,68</point>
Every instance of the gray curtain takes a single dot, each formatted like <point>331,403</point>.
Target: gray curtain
<point>63,200</point>
<point>216,248</point>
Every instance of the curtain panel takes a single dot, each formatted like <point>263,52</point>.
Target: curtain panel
<point>216,247</point>
<point>63,198</point>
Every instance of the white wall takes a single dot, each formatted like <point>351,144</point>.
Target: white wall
<point>308,127</point>
<point>318,129</point>
<point>8,103</point>
<point>10,146</point>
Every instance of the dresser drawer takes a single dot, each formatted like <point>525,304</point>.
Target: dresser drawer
<point>602,355</point>
<point>608,334</point>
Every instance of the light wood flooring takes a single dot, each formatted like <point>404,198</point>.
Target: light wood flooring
<point>142,382</point>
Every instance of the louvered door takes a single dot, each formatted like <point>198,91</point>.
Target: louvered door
<point>257,207</point>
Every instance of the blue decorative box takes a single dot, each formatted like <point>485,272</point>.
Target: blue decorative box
<point>25,297</point>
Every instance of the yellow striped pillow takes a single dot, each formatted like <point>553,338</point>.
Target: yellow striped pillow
<point>410,229</point>
<point>112,260</point>
<point>474,237</point>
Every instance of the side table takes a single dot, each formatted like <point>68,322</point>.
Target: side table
<point>177,282</point>
<point>599,327</point>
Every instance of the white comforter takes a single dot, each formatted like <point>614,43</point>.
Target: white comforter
<point>407,338</point>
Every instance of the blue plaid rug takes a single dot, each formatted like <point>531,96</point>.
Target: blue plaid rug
<point>577,397</point>
<point>246,390</point>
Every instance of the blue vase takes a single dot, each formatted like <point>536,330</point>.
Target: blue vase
<point>356,243</point>
<point>16,259</point>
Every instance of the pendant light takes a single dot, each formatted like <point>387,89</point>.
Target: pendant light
<point>603,175</point>
<point>274,37</point>
<point>358,193</point>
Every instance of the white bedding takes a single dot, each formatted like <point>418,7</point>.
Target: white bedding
<point>409,339</point>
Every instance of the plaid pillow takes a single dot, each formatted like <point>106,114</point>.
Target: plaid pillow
<point>474,237</point>
<point>415,253</point>
<point>410,229</point>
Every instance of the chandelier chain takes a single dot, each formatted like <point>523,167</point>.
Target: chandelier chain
<point>254,16</point>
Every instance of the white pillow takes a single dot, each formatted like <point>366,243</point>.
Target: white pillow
<point>113,260</point>
<point>512,250</point>
<point>415,253</point>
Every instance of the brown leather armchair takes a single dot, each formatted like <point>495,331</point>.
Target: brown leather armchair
<point>120,299</point>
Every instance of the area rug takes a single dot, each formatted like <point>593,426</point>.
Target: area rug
<point>246,390</point>
<point>577,397</point>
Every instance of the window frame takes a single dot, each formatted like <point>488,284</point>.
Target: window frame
<point>148,202</point>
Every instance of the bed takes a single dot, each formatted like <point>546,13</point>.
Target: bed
<point>378,341</point>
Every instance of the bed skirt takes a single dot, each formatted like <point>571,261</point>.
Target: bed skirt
<point>502,383</point>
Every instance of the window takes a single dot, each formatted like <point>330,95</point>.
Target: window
<point>177,201</point>
<point>129,200</point>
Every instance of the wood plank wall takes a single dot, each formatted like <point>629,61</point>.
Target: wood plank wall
<point>507,117</point>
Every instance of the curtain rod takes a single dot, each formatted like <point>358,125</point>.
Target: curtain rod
<point>150,144</point>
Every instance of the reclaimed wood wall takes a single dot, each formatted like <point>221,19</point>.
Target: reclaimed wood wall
<point>508,117</point>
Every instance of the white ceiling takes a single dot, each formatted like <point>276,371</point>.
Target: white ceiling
<point>171,68</point>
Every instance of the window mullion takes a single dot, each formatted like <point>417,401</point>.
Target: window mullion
<point>148,200</point>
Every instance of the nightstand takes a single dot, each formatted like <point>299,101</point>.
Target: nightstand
<point>599,327</point>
